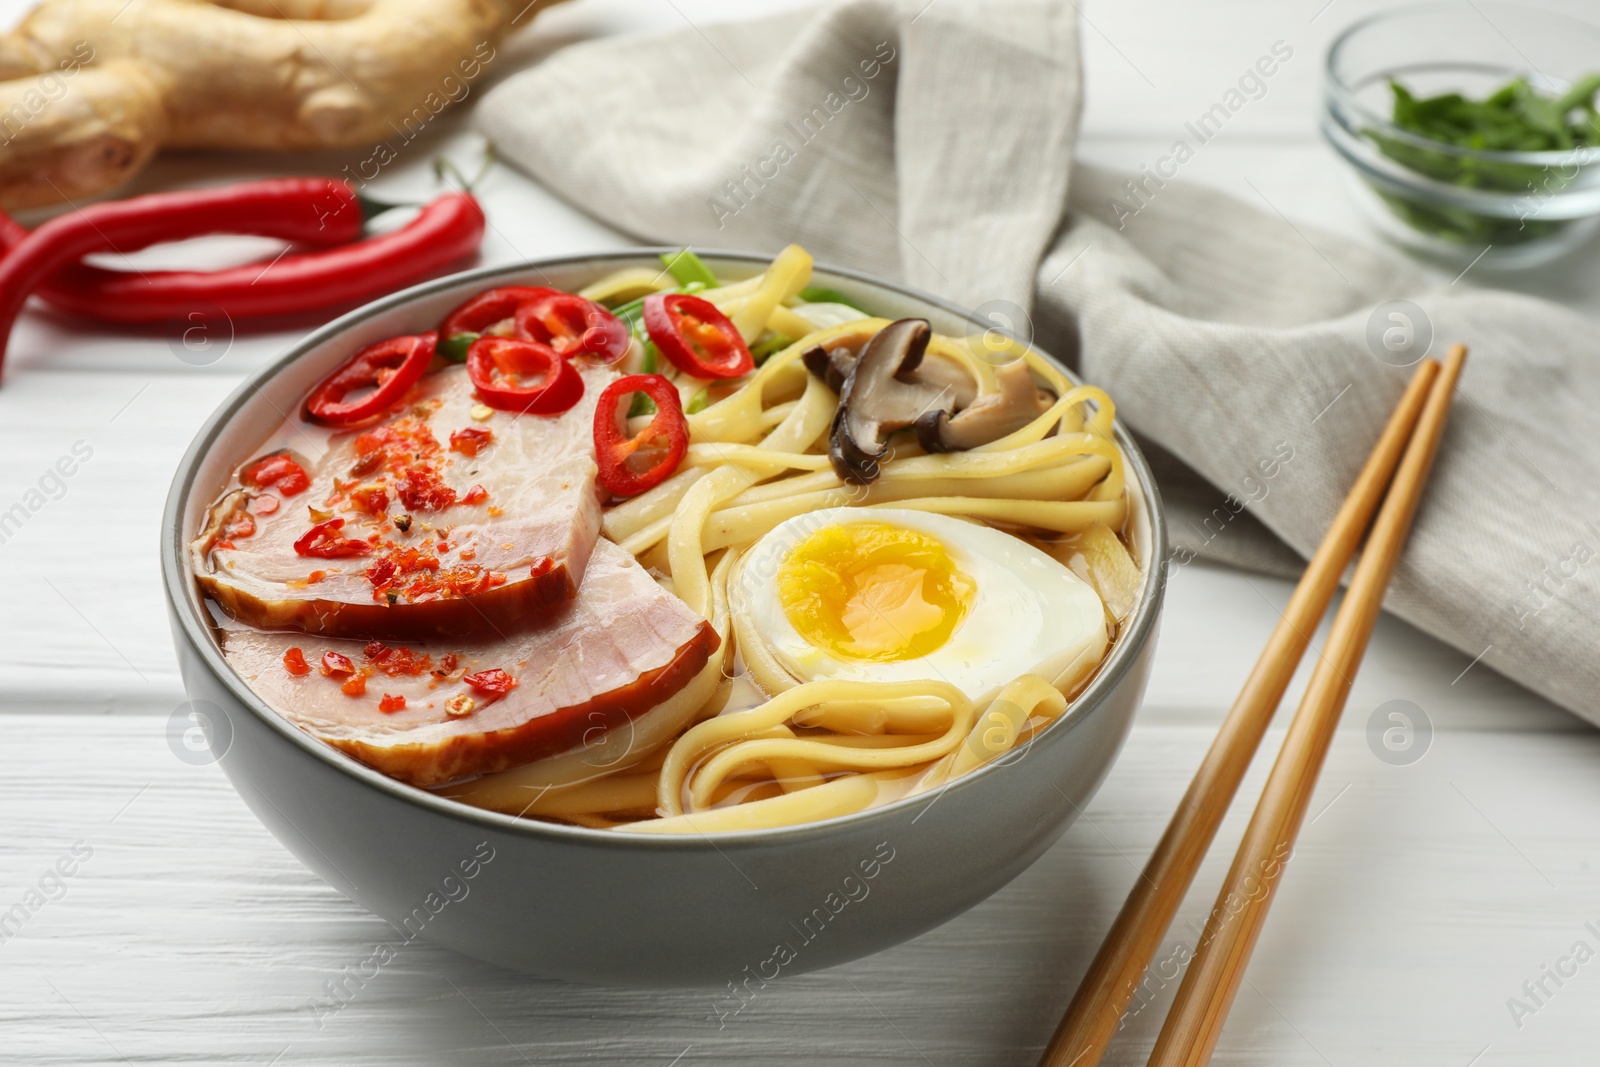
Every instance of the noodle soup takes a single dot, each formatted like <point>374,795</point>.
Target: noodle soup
<point>677,553</point>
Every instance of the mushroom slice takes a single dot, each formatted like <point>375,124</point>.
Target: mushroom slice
<point>833,365</point>
<point>882,394</point>
<point>1016,401</point>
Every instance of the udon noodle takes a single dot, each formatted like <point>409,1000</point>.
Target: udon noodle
<point>746,744</point>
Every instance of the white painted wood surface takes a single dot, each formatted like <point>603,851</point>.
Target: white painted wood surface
<point>1421,899</point>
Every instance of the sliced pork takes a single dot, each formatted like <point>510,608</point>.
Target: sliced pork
<point>432,712</point>
<point>449,519</point>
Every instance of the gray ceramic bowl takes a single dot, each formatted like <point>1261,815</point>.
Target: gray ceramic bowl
<point>595,906</point>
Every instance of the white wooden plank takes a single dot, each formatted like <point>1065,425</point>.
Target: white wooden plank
<point>1420,899</point>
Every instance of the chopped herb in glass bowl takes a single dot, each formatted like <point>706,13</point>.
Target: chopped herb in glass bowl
<point>1472,128</point>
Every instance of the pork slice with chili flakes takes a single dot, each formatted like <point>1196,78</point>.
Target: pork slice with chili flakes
<point>400,534</point>
<point>623,646</point>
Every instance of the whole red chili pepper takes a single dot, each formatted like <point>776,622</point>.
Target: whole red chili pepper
<point>630,464</point>
<point>447,231</point>
<point>306,211</point>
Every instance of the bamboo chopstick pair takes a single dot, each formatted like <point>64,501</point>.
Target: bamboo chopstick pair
<point>1408,442</point>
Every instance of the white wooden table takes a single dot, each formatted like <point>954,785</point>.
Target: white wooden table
<point>1422,897</point>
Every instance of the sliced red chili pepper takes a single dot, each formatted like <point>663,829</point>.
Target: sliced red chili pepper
<point>323,542</point>
<point>391,702</point>
<point>696,337</point>
<point>574,326</point>
<point>486,309</point>
<point>631,464</point>
<point>279,470</point>
<point>494,681</point>
<point>294,661</point>
<point>378,375</point>
<point>476,495</point>
<point>499,365</point>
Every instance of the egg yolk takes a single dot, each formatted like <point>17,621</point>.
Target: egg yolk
<point>870,591</point>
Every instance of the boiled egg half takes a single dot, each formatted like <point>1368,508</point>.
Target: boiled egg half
<point>889,595</point>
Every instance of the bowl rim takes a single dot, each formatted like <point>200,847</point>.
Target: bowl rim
<point>181,595</point>
<point>1339,96</point>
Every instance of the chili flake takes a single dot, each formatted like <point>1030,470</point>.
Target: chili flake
<point>280,471</point>
<point>471,441</point>
<point>381,573</point>
<point>392,703</point>
<point>372,499</point>
<point>493,681</point>
<point>294,661</point>
<point>324,542</point>
<point>241,524</point>
<point>421,489</point>
<point>397,661</point>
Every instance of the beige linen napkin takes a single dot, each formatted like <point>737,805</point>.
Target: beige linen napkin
<point>932,142</point>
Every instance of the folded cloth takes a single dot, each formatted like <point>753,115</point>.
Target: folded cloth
<point>931,141</point>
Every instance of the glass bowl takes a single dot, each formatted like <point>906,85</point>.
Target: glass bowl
<point>1462,205</point>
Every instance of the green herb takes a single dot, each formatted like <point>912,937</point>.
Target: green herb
<point>632,314</point>
<point>687,268</point>
<point>697,403</point>
<point>773,342</point>
<point>1514,118</point>
<point>454,348</point>
<point>822,295</point>
<point>642,405</point>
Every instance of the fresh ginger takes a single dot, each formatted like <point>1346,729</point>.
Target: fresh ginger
<point>91,89</point>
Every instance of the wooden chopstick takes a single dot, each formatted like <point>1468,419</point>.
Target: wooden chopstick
<point>1201,1007</point>
<point>1096,1010</point>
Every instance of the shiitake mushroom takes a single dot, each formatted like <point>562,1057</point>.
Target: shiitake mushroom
<point>888,387</point>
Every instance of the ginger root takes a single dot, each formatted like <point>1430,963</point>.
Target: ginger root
<point>91,89</point>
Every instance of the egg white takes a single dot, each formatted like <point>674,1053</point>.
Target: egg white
<point>1029,615</point>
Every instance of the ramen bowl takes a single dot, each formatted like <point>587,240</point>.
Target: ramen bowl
<point>598,906</point>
